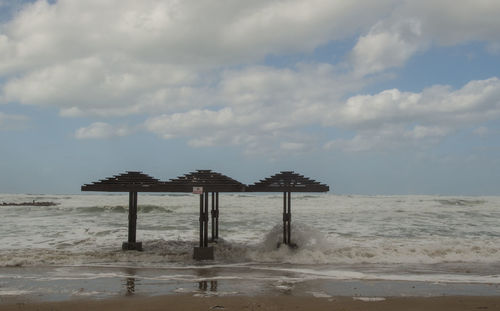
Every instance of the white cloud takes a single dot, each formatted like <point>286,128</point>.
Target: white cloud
<point>477,101</point>
<point>191,33</point>
<point>124,57</point>
<point>264,107</point>
<point>412,26</point>
<point>99,130</point>
<point>192,68</point>
<point>103,87</point>
<point>393,118</point>
<point>387,46</point>
<point>12,121</point>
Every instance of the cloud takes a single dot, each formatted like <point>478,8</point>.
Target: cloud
<point>477,101</point>
<point>12,121</point>
<point>447,22</point>
<point>193,34</point>
<point>103,87</point>
<point>414,26</point>
<point>194,70</point>
<point>393,118</point>
<point>387,46</point>
<point>116,58</point>
<point>99,130</point>
<point>264,107</point>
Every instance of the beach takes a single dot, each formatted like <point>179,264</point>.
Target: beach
<point>184,302</point>
<point>227,288</point>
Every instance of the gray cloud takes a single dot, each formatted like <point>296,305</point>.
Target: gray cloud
<point>190,68</point>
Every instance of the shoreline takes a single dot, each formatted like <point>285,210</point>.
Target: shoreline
<point>282,302</point>
<point>63,283</point>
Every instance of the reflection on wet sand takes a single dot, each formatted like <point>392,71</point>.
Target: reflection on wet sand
<point>206,274</point>
<point>130,286</point>
<point>203,286</point>
<point>130,282</point>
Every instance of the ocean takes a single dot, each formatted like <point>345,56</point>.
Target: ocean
<point>74,247</point>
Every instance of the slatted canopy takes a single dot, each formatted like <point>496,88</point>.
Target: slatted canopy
<point>287,182</point>
<point>127,182</point>
<point>210,181</point>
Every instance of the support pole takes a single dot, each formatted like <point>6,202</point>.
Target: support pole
<point>203,252</point>
<point>217,215</point>
<point>284,219</point>
<point>132,216</point>
<point>205,233</point>
<point>201,220</point>
<point>213,217</point>
<point>289,218</point>
<point>132,244</point>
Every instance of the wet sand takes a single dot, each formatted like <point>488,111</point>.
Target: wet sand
<point>188,302</point>
<point>226,288</point>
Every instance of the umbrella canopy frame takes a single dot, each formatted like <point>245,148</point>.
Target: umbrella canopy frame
<point>204,182</point>
<point>287,182</point>
<point>131,182</point>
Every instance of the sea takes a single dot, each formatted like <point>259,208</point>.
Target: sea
<point>347,244</point>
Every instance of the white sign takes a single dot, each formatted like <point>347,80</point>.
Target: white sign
<point>197,190</point>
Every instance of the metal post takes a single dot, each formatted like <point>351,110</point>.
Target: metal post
<point>205,243</point>
<point>203,252</point>
<point>284,218</point>
<point>131,243</point>
<point>289,217</point>
<point>213,216</point>
<point>217,215</point>
<point>201,220</point>
<point>132,217</point>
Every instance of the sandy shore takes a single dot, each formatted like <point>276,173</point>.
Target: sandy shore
<point>188,302</point>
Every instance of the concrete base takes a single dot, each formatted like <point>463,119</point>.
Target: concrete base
<point>131,246</point>
<point>203,253</point>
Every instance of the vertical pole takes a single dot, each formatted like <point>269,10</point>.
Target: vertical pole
<point>213,216</point>
<point>284,218</point>
<point>289,217</point>
<point>205,244</point>
<point>201,220</point>
<point>217,215</point>
<point>132,217</point>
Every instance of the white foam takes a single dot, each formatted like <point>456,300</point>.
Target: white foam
<point>320,295</point>
<point>369,299</point>
<point>84,293</point>
<point>13,292</point>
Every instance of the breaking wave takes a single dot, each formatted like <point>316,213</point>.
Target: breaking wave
<point>124,209</point>
<point>460,202</point>
<point>313,248</point>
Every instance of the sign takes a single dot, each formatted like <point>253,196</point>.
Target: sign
<point>197,190</point>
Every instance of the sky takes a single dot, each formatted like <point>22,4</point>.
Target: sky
<point>370,97</point>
